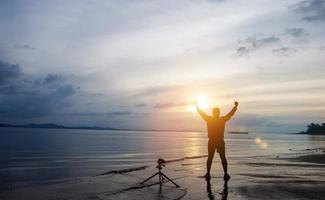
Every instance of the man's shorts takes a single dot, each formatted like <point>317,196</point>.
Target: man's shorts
<point>216,144</point>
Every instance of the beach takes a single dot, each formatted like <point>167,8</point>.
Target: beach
<point>287,169</point>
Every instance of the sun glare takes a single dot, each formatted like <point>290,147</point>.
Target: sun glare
<point>258,140</point>
<point>202,102</point>
<point>263,144</point>
<point>191,108</point>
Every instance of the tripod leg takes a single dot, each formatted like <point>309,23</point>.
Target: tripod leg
<point>160,181</point>
<point>149,178</point>
<point>169,179</point>
<point>160,178</point>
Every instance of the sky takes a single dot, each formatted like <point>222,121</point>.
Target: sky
<point>142,64</point>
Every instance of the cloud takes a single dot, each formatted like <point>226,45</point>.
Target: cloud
<point>272,124</point>
<point>107,114</point>
<point>242,51</point>
<point>312,10</point>
<point>253,43</point>
<point>52,78</point>
<point>168,105</point>
<point>120,113</point>
<point>284,51</point>
<point>164,105</point>
<point>22,96</point>
<point>260,42</point>
<point>253,120</point>
<point>296,32</point>
<point>141,105</point>
<point>154,90</point>
<point>8,71</point>
<point>24,46</point>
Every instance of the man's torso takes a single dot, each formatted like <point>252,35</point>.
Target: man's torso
<point>216,128</point>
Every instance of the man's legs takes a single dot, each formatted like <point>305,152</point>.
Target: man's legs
<point>223,161</point>
<point>211,150</point>
<point>223,158</point>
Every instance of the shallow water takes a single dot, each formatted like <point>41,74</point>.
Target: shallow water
<point>32,156</point>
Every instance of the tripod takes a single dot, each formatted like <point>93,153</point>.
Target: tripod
<point>161,176</point>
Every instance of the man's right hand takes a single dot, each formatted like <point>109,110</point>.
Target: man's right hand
<point>236,103</point>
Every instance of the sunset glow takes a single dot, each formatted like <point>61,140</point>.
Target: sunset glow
<point>191,108</point>
<point>142,99</point>
<point>129,65</point>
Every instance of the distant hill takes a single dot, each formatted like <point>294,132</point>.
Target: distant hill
<point>55,126</point>
<point>315,129</point>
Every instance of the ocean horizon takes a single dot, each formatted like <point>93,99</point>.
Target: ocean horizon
<point>37,156</point>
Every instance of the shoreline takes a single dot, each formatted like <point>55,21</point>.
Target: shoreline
<point>254,183</point>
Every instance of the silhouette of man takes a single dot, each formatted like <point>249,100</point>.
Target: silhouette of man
<point>216,129</point>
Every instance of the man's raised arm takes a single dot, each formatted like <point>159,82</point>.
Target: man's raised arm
<point>202,114</point>
<point>232,112</point>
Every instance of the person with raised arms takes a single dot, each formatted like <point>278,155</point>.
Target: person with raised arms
<point>216,128</point>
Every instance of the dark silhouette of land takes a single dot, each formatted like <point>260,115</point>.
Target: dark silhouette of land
<point>57,126</point>
<point>315,129</point>
<point>216,128</point>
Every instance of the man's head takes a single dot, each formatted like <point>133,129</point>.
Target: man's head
<point>216,112</point>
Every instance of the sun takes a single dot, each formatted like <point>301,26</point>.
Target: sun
<point>201,101</point>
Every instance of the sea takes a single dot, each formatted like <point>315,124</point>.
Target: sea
<point>36,156</point>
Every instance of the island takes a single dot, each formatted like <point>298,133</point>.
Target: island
<point>315,129</point>
<point>238,132</point>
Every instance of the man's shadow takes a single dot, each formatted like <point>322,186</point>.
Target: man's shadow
<point>224,193</point>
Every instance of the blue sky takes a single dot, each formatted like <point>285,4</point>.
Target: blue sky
<point>141,64</point>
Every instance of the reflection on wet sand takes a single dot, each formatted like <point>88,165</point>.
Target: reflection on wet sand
<point>224,193</point>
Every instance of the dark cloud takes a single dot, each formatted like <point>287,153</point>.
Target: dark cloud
<point>52,78</point>
<point>312,10</point>
<point>164,105</point>
<point>168,105</point>
<point>24,97</point>
<point>296,32</point>
<point>283,51</point>
<point>141,105</point>
<point>8,72</point>
<point>242,51</point>
<point>259,42</point>
<point>253,43</point>
<point>24,46</point>
<point>120,113</point>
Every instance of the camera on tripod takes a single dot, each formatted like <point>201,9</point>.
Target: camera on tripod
<point>161,176</point>
<point>161,163</point>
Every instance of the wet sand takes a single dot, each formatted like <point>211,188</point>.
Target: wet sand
<point>287,176</point>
